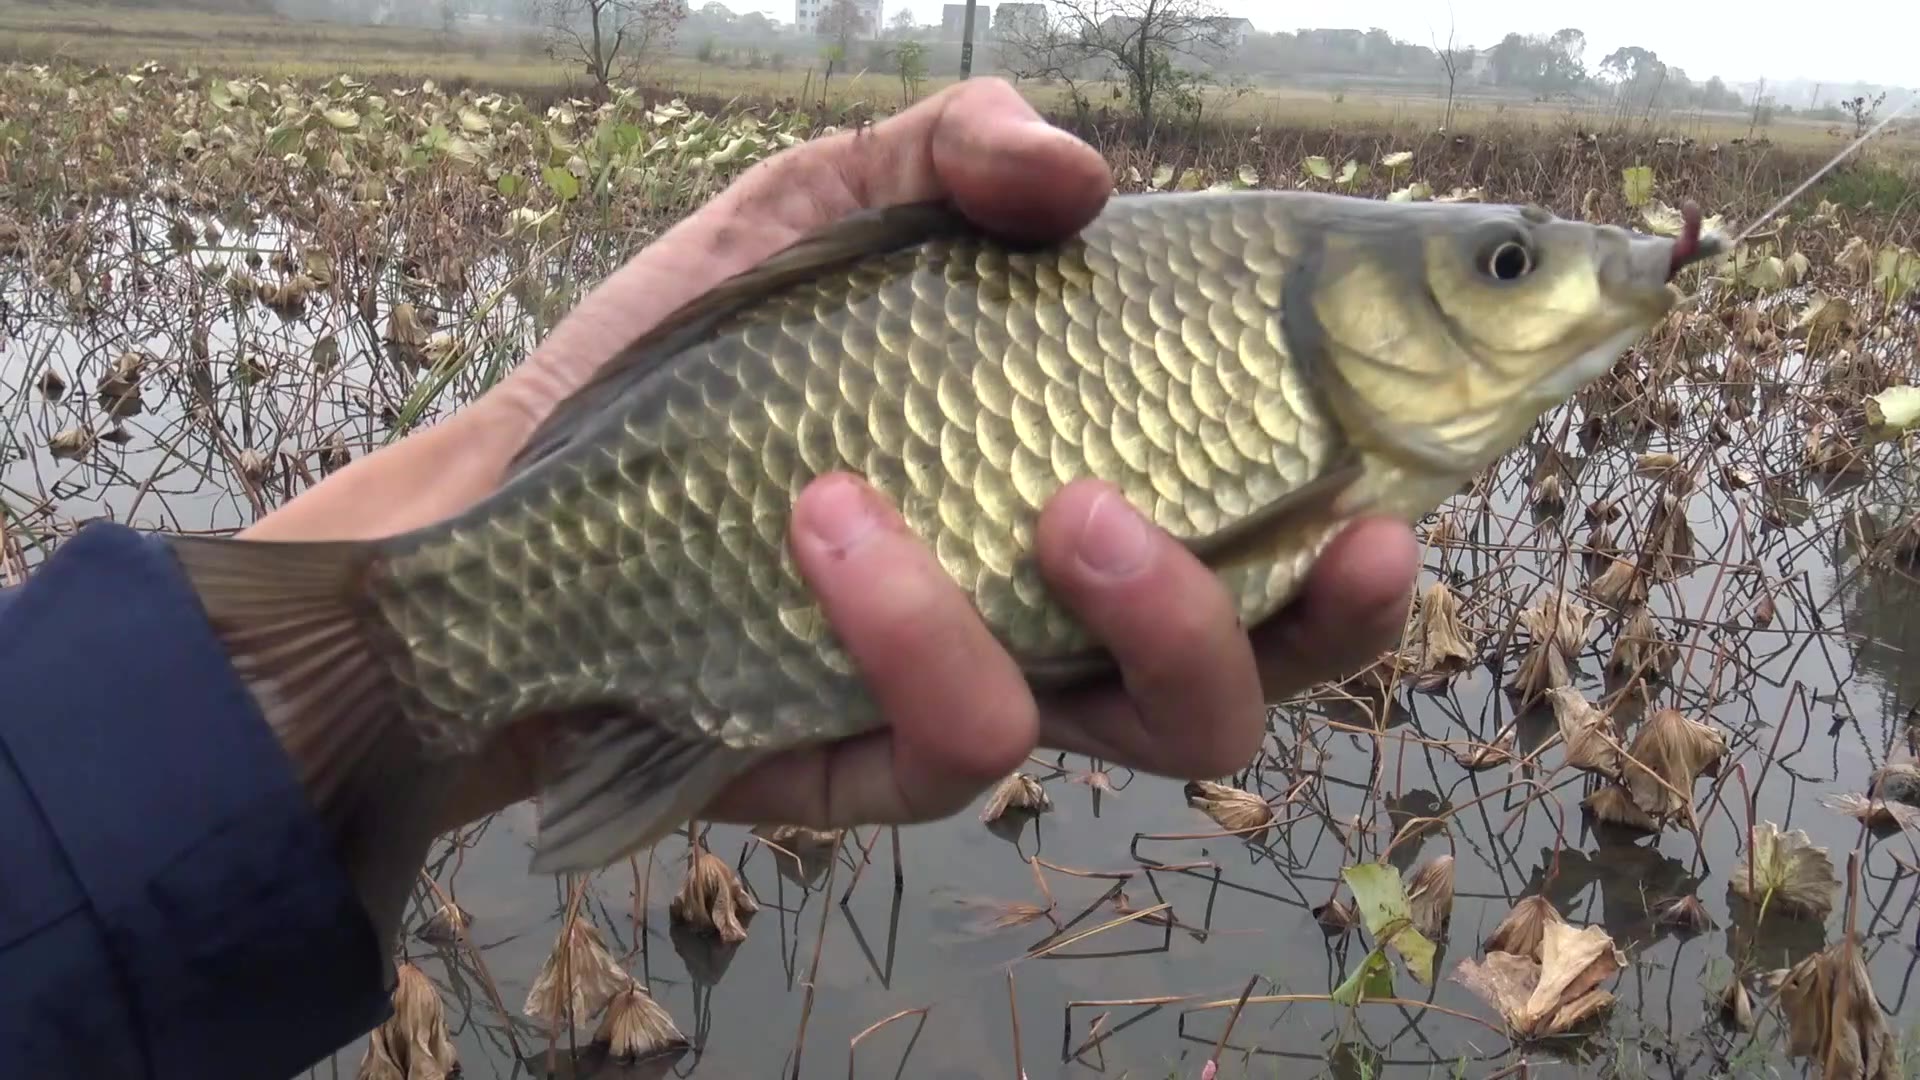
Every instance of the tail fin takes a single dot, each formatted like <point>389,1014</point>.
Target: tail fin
<point>289,616</point>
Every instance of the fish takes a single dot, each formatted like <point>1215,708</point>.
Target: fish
<point>1251,369</point>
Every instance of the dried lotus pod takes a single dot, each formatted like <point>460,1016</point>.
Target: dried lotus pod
<point>1521,932</point>
<point>1587,732</point>
<point>712,898</point>
<point>413,1043</point>
<point>1017,792</point>
<point>636,1026</point>
<point>1430,897</point>
<point>1684,913</point>
<point>1444,644</point>
<point>1231,808</point>
<point>578,978</point>
<point>1641,649</point>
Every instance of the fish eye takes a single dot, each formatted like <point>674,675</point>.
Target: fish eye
<point>1509,261</point>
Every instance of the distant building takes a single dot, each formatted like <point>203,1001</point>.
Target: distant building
<point>1230,31</point>
<point>815,16</point>
<point>1019,18</point>
<point>953,20</point>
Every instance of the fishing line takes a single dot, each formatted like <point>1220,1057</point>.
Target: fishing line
<point>1845,153</point>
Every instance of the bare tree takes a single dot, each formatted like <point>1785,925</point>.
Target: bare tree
<point>1449,63</point>
<point>1136,43</point>
<point>609,38</point>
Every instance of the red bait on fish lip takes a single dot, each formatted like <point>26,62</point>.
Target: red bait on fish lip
<point>1688,245</point>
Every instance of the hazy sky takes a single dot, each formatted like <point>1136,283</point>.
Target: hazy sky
<point>1875,41</point>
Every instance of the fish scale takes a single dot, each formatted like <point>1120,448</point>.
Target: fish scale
<point>1016,380</point>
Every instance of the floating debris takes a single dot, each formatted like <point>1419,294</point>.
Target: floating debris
<point>1018,792</point>
<point>1478,756</point>
<point>1551,995</point>
<point>1789,873</point>
<point>712,899</point>
<point>52,386</point>
<point>73,444</point>
<point>1833,1016</point>
<point>1613,805</point>
<point>1336,915</point>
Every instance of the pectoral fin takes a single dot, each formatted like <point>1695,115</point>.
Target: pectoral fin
<point>1260,534</point>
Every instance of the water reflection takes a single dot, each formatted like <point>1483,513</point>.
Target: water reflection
<point>1790,633</point>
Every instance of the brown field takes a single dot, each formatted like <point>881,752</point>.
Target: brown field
<point>277,47</point>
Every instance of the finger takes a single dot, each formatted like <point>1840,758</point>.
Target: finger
<point>960,713</point>
<point>1353,608</point>
<point>1186,663</point>
<point>978,142</point>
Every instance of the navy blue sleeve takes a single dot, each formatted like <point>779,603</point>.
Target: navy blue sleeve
<point>169,904</point>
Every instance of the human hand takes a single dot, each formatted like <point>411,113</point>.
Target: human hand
<point>961,716</point>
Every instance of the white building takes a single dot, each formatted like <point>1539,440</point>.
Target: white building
<point>810,15</point>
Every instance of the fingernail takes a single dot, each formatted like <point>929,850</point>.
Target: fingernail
<point>1113,540</point>
<point>842,516</point>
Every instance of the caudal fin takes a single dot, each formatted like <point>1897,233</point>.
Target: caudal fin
<point>288,616</point>
<point>621,784</point>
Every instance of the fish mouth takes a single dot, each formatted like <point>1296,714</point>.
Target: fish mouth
<point>1692,247</point>
<point>1648,265</point>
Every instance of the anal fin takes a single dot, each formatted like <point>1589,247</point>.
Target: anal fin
<point>622,783</point>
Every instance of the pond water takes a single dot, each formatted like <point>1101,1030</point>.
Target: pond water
<point>1810,703</point>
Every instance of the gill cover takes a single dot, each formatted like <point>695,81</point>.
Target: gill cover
<point>1442,332</point>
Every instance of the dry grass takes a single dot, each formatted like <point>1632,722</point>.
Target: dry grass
<point>511,60</point>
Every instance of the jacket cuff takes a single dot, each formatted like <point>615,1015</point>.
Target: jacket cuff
<point>209,878</point>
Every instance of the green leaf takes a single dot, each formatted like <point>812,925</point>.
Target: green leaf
<point>1382,899</point>
<point>1318,167</point>
<point>1248,176</point>
<point>511,184</point>
<point>283,139</point>
<point>1636,183</point>
<point>1896,408</point>
<point>342,119</point>
<point>1372,979</point>
<point>1397,160</point>
<point>565,185</point>
<point>1162,176</point>
<point>472,120</point>
<point>1418,191</point>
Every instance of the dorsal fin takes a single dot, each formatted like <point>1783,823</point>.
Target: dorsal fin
<point>859,235</point>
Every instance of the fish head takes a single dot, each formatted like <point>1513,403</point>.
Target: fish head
<point>1446,330</point>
